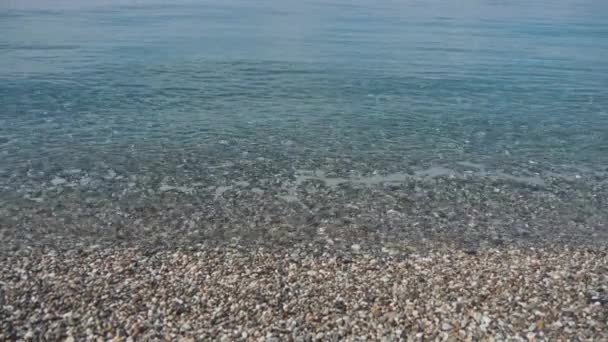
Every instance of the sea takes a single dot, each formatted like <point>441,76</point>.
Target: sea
<point>335,123</point>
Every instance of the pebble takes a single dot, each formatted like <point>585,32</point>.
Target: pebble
<point>58,181</point>
<point>110,175</point>
<point>226,294</point>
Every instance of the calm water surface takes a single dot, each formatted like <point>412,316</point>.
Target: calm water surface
<point>386,80</point>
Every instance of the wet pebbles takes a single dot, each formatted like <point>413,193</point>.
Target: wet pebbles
<point>77,207</point>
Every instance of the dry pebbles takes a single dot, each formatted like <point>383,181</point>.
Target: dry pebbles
<point>230,295</point>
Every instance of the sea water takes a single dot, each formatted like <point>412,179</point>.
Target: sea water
<point>107,103</point>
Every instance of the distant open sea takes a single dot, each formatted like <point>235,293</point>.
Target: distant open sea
<point>233,120</point>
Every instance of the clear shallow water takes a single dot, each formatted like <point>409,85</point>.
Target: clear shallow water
<point>211,92</point>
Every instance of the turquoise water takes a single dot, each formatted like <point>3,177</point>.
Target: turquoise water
<point>215,92</point>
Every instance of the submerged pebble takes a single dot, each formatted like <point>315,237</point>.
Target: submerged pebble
<point>58,181</point>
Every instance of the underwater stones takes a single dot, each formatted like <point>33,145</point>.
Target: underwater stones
<point>393,213</point>
<point>57,181</point>
<point>36,199</point>
<point>409,211</point>
<point>220,190</point>
<point>72,171</point>
<point>84,181</point>
<point>111,174</point>
<point>182,189</point>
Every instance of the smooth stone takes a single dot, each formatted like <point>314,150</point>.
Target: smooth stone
<point>58,181</point>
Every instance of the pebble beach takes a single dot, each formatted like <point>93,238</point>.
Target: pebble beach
<point>303,170</point>
<point>451,255</point>
<point>232,294</point>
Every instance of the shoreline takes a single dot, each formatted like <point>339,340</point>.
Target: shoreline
<point>475,209</point>
<point>439,254</point>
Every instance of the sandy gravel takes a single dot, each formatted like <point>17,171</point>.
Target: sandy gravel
<point>227,294</point>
